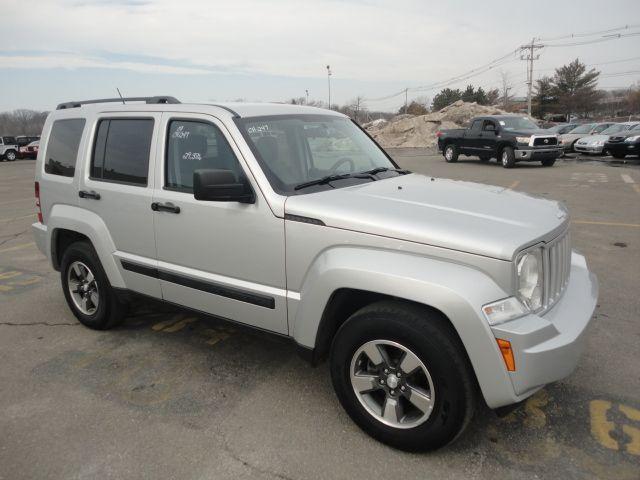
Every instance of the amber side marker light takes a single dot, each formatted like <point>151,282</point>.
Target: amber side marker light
<point>507,354</point>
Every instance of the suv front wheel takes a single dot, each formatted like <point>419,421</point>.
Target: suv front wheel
<point>87,289</point>
<point>10,155</point>
<point>401,374</point>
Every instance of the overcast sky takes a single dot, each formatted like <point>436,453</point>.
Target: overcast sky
<point>204,50</point>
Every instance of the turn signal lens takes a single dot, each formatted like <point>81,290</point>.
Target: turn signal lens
<point>507,354</point>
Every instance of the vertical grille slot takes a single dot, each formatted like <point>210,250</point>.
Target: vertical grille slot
<point>558,266</point>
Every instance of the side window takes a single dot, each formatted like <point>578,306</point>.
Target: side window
<point>476,126</point>
<point>62,148</point>
<point>121,150</point>
<point>193,145</point>
<point>488,126</point>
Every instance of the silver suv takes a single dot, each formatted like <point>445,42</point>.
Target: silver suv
<point>8,148</point>
<point>424,293</point>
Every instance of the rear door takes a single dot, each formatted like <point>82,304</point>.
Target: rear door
<point>117,186</point>
<point>223,258</point>
<point>488,137</point>
<point>471,139</point>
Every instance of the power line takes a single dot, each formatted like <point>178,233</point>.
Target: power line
<point>605,38</point>
<point>588,34</point>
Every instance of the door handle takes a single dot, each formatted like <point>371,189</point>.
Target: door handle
<point>92,194</point>
<point>165,207</point>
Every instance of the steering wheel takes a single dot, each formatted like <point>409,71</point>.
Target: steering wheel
<point>352,166</point>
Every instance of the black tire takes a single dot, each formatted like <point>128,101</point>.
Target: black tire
<point>110,310</point>
<point>618,155</point>
<point>548,162</point>
<point>573,147</point>
<point>484,158</point>
<point>430,336</point>
<point>11,155</point>
<point>450,153</point>
<point>507,157</point>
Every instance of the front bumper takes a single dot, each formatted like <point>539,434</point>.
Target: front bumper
<point>588,148</point>
<point>547,347</point>
<point>536,154</point>
<point>623,147</point>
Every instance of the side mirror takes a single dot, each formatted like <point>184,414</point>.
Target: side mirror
<point>221,186</point>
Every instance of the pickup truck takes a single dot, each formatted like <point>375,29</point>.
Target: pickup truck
<point>508,138</point>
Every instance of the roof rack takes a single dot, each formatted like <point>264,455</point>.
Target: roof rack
<point>149,100</point>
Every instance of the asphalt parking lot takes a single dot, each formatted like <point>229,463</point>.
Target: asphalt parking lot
<point>173,395</point>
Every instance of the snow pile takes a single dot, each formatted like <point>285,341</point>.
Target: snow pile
<point>420,131</point>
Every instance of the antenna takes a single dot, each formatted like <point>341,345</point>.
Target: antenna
<point>120,96</point>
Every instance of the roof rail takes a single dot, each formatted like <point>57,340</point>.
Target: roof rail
<point>149,100</point>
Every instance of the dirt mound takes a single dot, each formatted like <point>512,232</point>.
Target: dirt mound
<point>420,131</point>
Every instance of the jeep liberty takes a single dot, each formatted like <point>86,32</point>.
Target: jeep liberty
<point>424,294</point>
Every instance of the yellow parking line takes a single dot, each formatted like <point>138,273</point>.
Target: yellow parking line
<point>11,274</point>
<point>610,224</point>
<point>180,325</point>
<point>513,185</point>
<point>17,247</point>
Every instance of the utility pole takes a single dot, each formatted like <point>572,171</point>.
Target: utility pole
<point>357,108</point>
<point>529,57</point>
<point>306,92</point>
<point>406,91</point>
<point>329,83</point>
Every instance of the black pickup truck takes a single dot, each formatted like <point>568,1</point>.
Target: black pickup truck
<point>508,138</point>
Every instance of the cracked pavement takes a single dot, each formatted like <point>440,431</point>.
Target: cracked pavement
<point>173,395</point>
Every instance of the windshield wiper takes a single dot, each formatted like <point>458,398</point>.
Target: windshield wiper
<point>377,170</point>
<point>329,178</point>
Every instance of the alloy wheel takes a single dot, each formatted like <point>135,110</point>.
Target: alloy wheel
<point>83,288</point>
<point>392,384</point>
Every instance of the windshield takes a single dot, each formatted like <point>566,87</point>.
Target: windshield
<point>615,129</point>
<point>583,129</point>
<point>295,149</point>
<point>517,123</point>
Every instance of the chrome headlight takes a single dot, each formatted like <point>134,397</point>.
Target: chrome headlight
<point>523,140</point>
<point>530,279</point>
<point>632,139</point>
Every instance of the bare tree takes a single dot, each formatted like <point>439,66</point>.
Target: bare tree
<point>22,122</point>
<point>507,86</point>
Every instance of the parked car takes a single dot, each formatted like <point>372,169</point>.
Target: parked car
<point>625,143</point>
<point>30,150</point>
<point>568,140</point>
<point>22,142</point>
<point>8,148</point>
<point>509,138</point>
<point>562,128</point>
<point>424,293</point>
<point>595,143</point>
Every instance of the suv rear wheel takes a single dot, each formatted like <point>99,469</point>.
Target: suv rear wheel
<point>87,289</point>
<point>402,375</point>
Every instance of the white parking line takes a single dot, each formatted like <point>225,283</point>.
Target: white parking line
<point>627,178</point>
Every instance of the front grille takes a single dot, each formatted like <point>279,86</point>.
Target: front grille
<point>557,265</point>
<point>544,141</point>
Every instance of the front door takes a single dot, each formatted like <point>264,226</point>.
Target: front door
<point>223,258</point>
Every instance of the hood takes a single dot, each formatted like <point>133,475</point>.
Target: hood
<point>469,217</point>
<point>590,139</point>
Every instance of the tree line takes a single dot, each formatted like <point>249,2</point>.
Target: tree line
<point>22,122</point>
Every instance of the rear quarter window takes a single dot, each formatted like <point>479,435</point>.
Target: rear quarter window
<point>62,148</point>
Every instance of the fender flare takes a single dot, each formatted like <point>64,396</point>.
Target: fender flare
<point>458,291</point>
<point>87,223</point>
